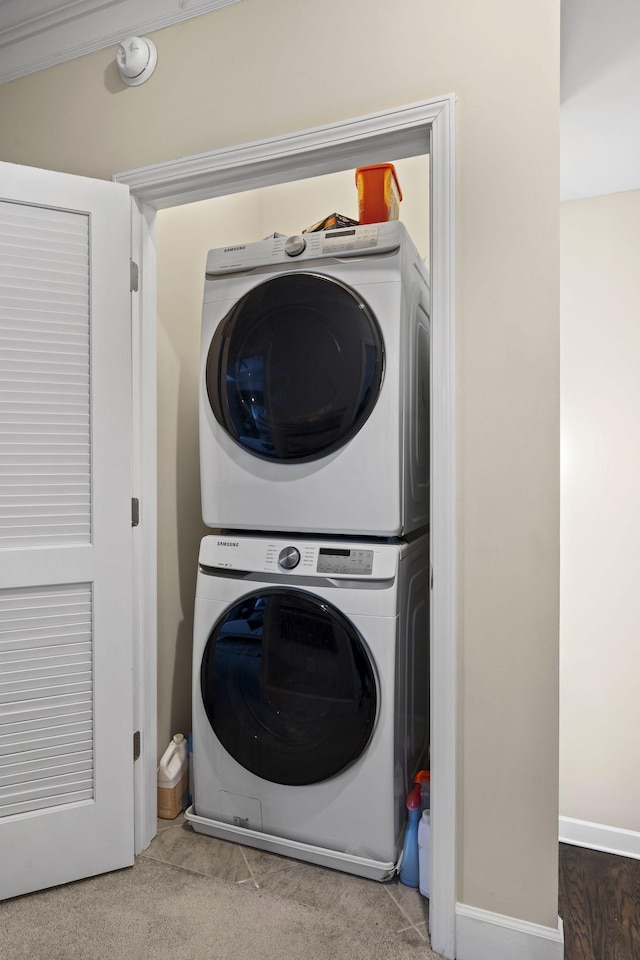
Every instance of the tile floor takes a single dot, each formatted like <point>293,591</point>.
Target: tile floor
<point>398,909</point>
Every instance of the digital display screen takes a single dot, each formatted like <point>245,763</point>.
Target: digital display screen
<point>335,560</point>
<point>340,233</point>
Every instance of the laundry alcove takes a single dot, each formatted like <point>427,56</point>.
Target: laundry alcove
<point>184,235</point>
<point>409,132</point>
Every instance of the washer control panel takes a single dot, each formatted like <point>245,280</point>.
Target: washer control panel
<point>305,557</point>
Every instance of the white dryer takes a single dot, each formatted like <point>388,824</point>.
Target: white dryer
<point>310,695</point>
<point>314,397</point>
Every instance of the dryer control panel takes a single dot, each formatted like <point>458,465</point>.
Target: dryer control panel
<point>299,557</point>
<point>346,242</point>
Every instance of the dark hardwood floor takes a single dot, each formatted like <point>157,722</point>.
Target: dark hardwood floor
<point>599,904</point>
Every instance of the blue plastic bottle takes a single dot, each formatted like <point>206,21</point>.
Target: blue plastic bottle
<point>409,867</point>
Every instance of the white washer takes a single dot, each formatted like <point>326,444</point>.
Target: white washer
<point>314,396</point>
<point>310,695</point>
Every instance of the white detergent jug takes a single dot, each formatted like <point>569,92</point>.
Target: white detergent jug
<point>424,853</point>
<point>173,778</point>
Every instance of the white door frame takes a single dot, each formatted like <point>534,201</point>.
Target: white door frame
<point>426,127</point>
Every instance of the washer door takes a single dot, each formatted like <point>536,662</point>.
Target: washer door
<point>288,687</point>
<point>295,368</point>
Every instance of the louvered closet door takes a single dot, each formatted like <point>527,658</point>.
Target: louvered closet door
<point>66,769</point>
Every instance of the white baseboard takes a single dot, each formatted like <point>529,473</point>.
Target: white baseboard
<point>482,935</point>
<point>598,836</point>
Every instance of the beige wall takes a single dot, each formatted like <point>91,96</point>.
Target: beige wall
<point>253,70</point>
<point>185,234</point>
<point>600,529</point>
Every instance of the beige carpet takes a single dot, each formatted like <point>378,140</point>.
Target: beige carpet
<point>155,911</point>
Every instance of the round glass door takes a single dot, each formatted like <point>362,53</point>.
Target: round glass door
<point>288,687</point>
<point>295,368</point>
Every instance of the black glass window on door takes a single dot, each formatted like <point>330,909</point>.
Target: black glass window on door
<point>295,368</point>
<point>288,687</point>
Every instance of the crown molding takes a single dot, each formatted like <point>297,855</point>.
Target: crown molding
<point>44,33</point>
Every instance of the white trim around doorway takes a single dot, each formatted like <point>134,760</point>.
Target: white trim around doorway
<point>426,127</point>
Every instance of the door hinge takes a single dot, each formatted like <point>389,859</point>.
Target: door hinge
<point>136,745</point>
<point>134,275</point>
<point>135,511</point>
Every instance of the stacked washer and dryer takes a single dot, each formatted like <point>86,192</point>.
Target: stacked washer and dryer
<point>311,632</point>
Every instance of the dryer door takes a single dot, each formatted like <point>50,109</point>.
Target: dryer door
<point>289,687</point>
<point>295,368</point>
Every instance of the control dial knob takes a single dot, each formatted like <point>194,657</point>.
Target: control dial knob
<point>289,558</point>
<point>293,246</point>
